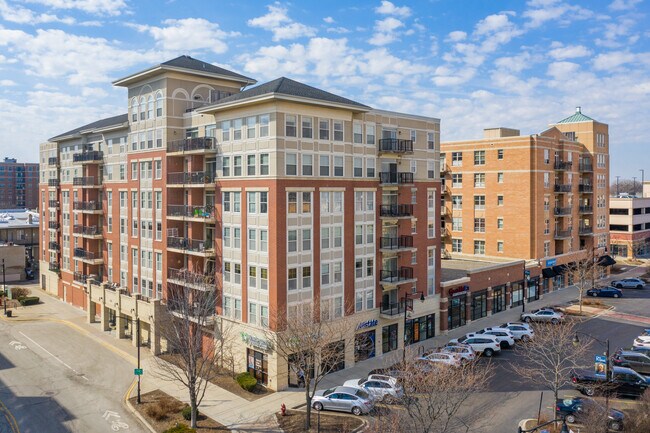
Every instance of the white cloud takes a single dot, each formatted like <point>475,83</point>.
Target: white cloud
<point>569,52</point>
<point>623,5</point>
<point>612,60</point>
<point>188,34</point>
<point>7,83</point>
<point>329,20</point>
<point>388,8</point>
<point>386,31</point>
<point>516,63</point>
<point>338,30</point>
<point>457,36</point>
<point>20,15</point>
<point>544,11</point>
<point>562,70</point>
<point>98,7</point>
<point>278,22</point>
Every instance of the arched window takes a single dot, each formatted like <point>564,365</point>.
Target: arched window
<point>134,110</point>
<point>150,107</point>
<point>143,108</point>
<point>159,104</point>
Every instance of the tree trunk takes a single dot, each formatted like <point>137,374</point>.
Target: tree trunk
<point>308,417</point>
<point>194,408</point>
<point>580,299</point>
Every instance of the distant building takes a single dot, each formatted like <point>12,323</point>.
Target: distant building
<point>20,227</point>
<point>18,184</point>
<point>629,224</point>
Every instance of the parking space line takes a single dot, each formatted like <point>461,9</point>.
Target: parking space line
<point>13,424</point>
<point>53,356</point>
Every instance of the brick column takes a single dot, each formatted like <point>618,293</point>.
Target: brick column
<point>490,300</point>
<point>508,295</point>
<point>444,315</point>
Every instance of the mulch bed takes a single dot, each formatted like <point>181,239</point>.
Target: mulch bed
<point>294,422</point>
<point>223,379</point>
<point>204,424</point>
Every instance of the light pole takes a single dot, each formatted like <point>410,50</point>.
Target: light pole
<point>4,287</point>
<point>605,344</point>
<point>617,177</point>
<point>634,186</point>
<point>523,295</point>
<point>405,299</point>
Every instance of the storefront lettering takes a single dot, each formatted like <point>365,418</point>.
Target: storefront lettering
<point>367,324</point>
<point>256,342</point>
<point>457,291</point>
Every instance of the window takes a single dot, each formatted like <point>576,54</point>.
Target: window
<point>358,268</point>
<point>457,159</point>
<point>547,156</point>
<point>547,226</point>
<point>252,202</point>
<point>499,246</point>
<point>358,166</point>
<point>358,234</point>
<point>307,165</point>
<point>456,202</point>
<point>226,202</point>
<point>134,171</point>
<point>338,166</point>
<point>479,180</point>
<point>264,240</point>
<point>370,234</point>
<point>306,202</point>
<point>252,239</point>
<point>499,177</point>
<point>264,125</point>
<point>370,134</point>
<point>431,169</point>
<point>159,138</point>
<point>325,274</point>
<point>338,239</point>
<point>338,201</point>
<point>264,310</point>
<point>143,108</point>
<point>370,267</point>
<point>479,225</point>
<point>457,224</point>
<point>324,129</point>
<point>237,165</point>
<point>290,125</point>
<point>250,127</point>
<point>479,247</point>
<point>226,166</point>
<point>457,180</point>
<point>370,167</point>
<point>547,181</point>
<point>500,223</point>
<point>292,279</point>
<point>252,313</point>
<point>306,239</point>
<point>479,202</point>
<point>499,200</point>
<point>431,142</point>
<point>324,165</point>
<point>479,157</point>
<point>293,202</point>
<point>291,167</point>
<point>499,153</point>
<point>250,165</point>
<point>456,245</point>
<point>264,164</point>
<point>325,238</point>
<point>264,202</point>
<point>236,129</point>
<point>225,130</point>
<point>236,238</point>
<point>547,248</point>
<point>134,110</point>
<point>338,130</point>
<point>159,104</point>
<point>357,133</point>
<point>158,165</point>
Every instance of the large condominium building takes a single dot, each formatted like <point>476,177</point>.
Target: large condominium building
<point>629,224</point>
<point>18,185</point>
<point>541,198</point>
<point>285,194</point>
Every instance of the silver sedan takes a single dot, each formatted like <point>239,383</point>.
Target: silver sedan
<point>343,399</point>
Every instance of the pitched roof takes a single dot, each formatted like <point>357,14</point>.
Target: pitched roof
<point>577,117</point>
<point>289,87</point>
<point>98,124</point>
<point>187,62</point>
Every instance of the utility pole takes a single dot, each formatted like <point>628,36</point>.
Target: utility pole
<point>642,179</point>
<point>634,186</point>
<point>617,177</point>
<point>4,287</point>
<point>137,327</point>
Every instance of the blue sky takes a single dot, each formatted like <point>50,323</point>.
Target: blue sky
<point>473,63</point>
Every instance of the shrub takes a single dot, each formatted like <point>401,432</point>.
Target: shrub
<point>180,428</point>
<point>19,292</point>
<point>187,412</point>
<point>246,381</point>
<point>156,412</point>
<point>30,300</point>
<point>161,408</point>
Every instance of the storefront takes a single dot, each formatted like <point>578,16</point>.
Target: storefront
<point>517,293</point>
<point>295,370</point>
<point>499,299</point>
<point>257,360</point>
<point>479,304</point>
<point>456,312</point>
<point>364,342</point>
<point>532,289</point>
<point>389,338</point>
<point>420,329</point>
<point>558,280</point>
<point>334,363</point>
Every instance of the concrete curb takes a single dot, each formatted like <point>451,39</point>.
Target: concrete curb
<point>131,409</point>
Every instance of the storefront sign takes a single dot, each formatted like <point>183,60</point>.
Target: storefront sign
<point>256,342</point>
<point>457,291</point>
<point>551,262</point>
<point>367,324</point>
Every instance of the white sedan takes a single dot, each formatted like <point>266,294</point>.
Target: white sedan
<point>465,352</point>
<point>629,283</point>
<point>521,331</point>
<point>444,358</point>
<point>379,387</point>
<point>642,340</point>
<point>504,336</point>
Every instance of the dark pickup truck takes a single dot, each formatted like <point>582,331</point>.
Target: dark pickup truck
<point>624,382</point>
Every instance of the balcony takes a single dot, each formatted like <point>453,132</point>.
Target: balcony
<point>93,232</point>
<point>191,246</point>
<point>53,161</point>
<point>585,230</point>
<point>586,209</point>
<point>53,204</point>
<point>562,211</point>
<point>94,156</point>
<point>562,188</point>
<point>393,178</point>
<point>585,168</point>
<point>53,225</point>
<point>445,170</point>
<point>395,145</point>
<point>80,277</point>
<point>54,267</point>
<point>402,275</point>
<point>562,165</point>
<point>53,182</point>
<point>196,145</point>
<point>195,280</point>
<point>563,234</point>
<point>396,210</point>
<point>197,178</point>
<point>53,246</point>
<point>196,213</point>
<point>88,182</point>
<point>392,309</point>
<point>586,188</point>
<point>87,256</point>
<point>445,212</point>
<point>396,243</point>
<point>87,206</point>
<point>445,234</point>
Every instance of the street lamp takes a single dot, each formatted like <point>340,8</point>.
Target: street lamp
<point>605,344</point>
<point>405,299</point>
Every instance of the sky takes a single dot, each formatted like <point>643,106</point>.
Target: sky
<point>474,64</point>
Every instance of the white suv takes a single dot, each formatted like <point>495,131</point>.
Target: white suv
<point>504,336</point>
<point>465,352</point>
<point>520,331</point>
<point>487,345</point>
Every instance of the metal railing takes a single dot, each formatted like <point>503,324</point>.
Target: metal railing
<point>563,233</point>
<point>559,187</point>
<point>563,165</point>
<point>180,210</point>
<point>81,229</point>
<point>54,246</point>
<point>586,209</point>
<point>585,230</point>
<point>395,308</point>
<point>80,277</point>
<point>585,167</point>
<point>186,244</point>
<point>562,210</point>
<point>54,225</point>
<point>53,161</point>
<point>83,254</point>
<point>53,203</point>
<point>392,276</point>
<point>395,145</point>
<point>91,156</point>
<point>86,205</point>
<point>585,187</point>
<point>85,181</point>
<point>387,177</point>
<point>54,267</point>
<point>192,279</point>
<point>192,144</point>
<point>195,178</point>
<point>53,182</point>
<point>396,210</point>
<point>393,243</point>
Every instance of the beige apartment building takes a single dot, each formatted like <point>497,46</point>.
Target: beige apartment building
<point>285,194</point>
<point>629,224</point>
<point>540,198</point>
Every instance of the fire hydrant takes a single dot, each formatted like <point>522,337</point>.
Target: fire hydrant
<point>283,409</point>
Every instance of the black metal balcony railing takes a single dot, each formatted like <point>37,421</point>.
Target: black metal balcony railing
<point>83,254</point>
<point>53,203</point>
<point>563,165</point>
<point>395,308</point>
<point>387,177</point>
<point>85,181</point>
<point>180,210</point>
<point>395,145</point>
<point>53,225</point>
<point>53,161</point>
<point>586,209</point>
<point>81,229</point>
<point>585,230</point>
<point>393,276</point>
<point>192,144</point>
<point>87,205</point>
<point>558,187</point>
<point>54,267</point>
<point>193,279</point>
<point>80,277</point>
<point>444,169</point>
<point>93,155</point>
<point>562,210</point>
<point>585,167</point>
<point>54,246</point>
<point>396,210</point>
<point>585,187</point>
<point>563,233</point>
<point>197,177</point>
<point>393,243</point>
<point>445,233</point>
<point>53,182</point>
<point>186,244</point>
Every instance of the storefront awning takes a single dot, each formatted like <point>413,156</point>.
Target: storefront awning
<point>559,269</point>
<point>548,273</point>
<point>606,260</point>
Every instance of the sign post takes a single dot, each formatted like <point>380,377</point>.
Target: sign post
<point>600,365</point>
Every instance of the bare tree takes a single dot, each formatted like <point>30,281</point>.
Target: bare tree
<point>638,418</point>
<point>627,186</point>
<point>551,357</point>
<point>191,309</point>
<point>583,272</point>
<point>311,347</point>
<point>594,418</point>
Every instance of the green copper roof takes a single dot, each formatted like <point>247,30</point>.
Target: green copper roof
<point>577,117</point>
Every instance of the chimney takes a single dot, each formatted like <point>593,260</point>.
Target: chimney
<point>578,109</point>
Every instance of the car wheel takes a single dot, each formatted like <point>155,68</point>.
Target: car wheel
<point>527,320</point>
<point>525,338</point>
<point>356,411</point>
<point>318,406</point>
<point>593,294</point>
<point>589,391</point>
<point>615,425</point>
<point>554,321</point>
<point>488,353</point>
<point>639,286</point>
<point>616,295</point>
<point>619,286</point>
<point>570,419</point>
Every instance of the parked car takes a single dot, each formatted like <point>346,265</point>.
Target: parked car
<point>644,350</point>
<point>445,358</point>
<point>379,387</point>
<point>543,315</point>
<point>464,352</point>
<point>575,409</point>
<point>29,274</point>
<point>343,399</point>
<point>504,336</point>
<point>642,340</point>
<point>629,283</point>
<point>606,292</point>
<point>637,361</point>
<point>486,345</point>
<point>624,382</point>
<point>521,331</point>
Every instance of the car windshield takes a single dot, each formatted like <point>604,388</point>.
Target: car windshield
<point>362,394</point>
<point>461,339</point>
<point>328,391</point>
<point>360,381</point>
